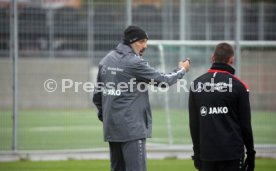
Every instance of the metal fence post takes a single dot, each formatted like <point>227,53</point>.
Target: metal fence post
<point>261,21</point>
<point>226,20</point>
<point>207,29</point>
<point>183,25</point>
<point>238,36</point>
<point>182,19</point>
<point>129,12</point>
<point>14,48</point>
<point>50,20</point>
<point>167,16</point>
<point>90,31</point>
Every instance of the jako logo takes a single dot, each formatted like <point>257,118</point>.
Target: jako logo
<point>111,92</point>
<point>203,111</point>
<point>213,110</point>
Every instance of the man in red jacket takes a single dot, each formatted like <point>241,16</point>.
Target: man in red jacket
<point>220,117</point>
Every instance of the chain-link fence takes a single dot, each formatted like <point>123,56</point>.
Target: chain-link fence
<point>66,39</point>
<point>48,29</point>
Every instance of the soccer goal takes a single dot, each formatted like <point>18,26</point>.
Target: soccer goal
<point>254,63</point>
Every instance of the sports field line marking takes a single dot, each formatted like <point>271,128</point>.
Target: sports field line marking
<point>64,128</point>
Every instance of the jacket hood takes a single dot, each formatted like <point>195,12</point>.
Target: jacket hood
<point>124,49</point>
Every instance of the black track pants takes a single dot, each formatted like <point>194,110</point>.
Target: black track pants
<point>128,156</point>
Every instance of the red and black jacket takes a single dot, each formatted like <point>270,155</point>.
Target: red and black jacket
<point>220,116</point>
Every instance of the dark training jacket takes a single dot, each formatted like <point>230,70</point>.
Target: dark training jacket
<point>219,115</point>
<point>125,111</point>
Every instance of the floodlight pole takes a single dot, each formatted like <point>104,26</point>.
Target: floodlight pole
<point>14,48</point>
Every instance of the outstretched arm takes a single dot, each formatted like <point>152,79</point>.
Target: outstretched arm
<point>143,72</point>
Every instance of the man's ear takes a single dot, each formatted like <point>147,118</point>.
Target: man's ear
<point>231,60</point>
<point>213,58</point>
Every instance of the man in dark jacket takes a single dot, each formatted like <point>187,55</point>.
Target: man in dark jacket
<point>220,117</point>
<point>122,99</point>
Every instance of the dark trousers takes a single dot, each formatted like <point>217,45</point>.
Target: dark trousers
<point>229,165</point>
<point>128,156</point>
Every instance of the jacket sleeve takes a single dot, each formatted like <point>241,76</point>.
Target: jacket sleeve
<point>97,98</point>
<point>144,73</point>
<point>194,124</point>
<point>245,121</point>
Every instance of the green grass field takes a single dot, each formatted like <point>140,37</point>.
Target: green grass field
<point>80,129</point>
<point>103,165</point>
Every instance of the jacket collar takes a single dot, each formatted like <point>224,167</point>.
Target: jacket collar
<point>223,67</point>
<point>124,49</point>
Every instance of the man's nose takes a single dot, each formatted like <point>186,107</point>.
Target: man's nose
<point>146,45</point>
